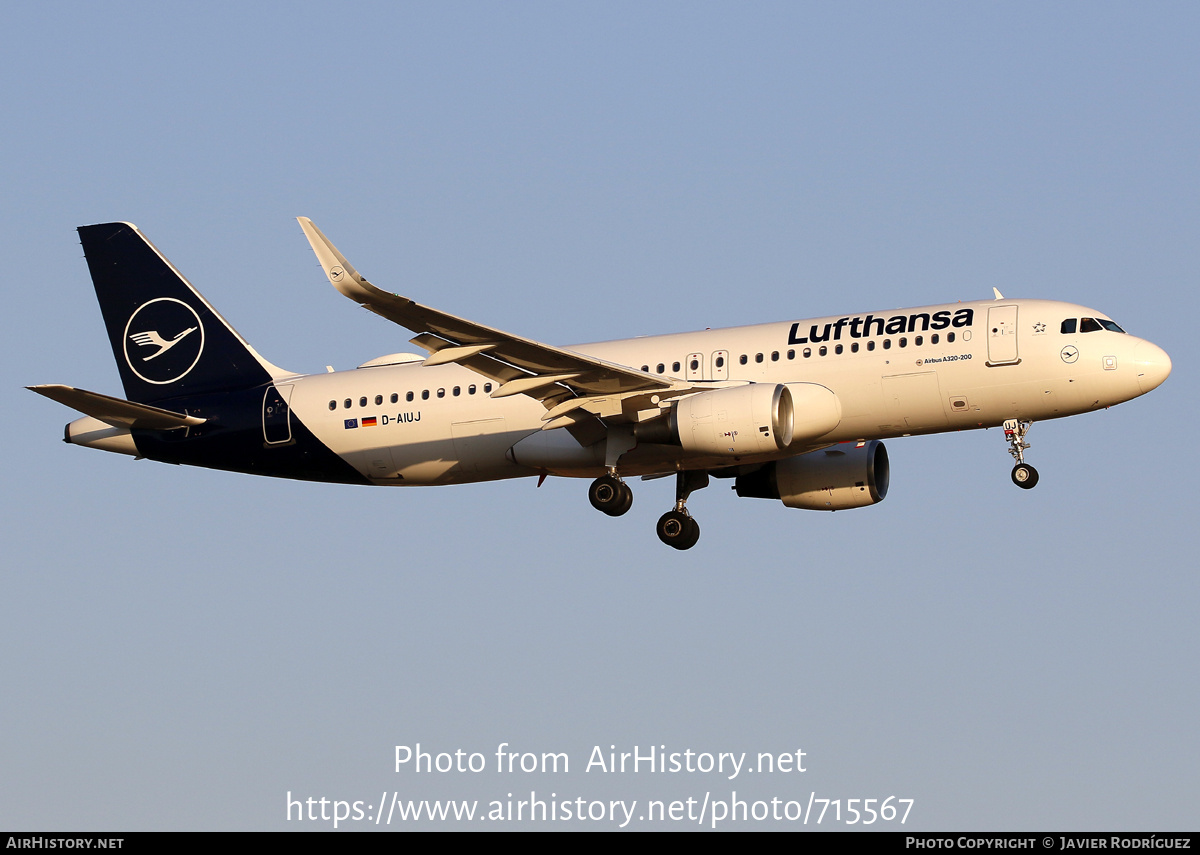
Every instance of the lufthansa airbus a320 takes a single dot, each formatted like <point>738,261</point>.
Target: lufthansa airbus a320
<point>793,411</point>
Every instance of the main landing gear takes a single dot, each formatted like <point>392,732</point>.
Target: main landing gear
<point>1023,475</point>
<point>610,495</point>
<point>676,528</point>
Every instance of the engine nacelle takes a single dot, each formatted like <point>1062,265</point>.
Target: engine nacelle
<point>817,409</point>
<point>93,433</point>
<point>832,479</point>
<point>741,420</point>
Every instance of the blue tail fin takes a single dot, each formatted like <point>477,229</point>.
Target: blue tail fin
<point>167,340</point>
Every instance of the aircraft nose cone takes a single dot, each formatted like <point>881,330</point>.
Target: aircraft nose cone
<point>1151,364</point>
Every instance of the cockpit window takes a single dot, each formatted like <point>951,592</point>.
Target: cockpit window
<point>1068,326</point>
<point>1110,326</point>
<point>1089,325</point>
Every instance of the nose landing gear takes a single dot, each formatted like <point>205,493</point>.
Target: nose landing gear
<point>1023,475</point>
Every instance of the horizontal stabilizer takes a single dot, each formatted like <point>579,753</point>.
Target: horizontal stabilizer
<point>116,411</point>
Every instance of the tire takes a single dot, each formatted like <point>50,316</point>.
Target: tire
<point>626,501</point>
<point>693,534</point>
<point>678,530</point>
<point>610,495</point>
<point>1024,476</point>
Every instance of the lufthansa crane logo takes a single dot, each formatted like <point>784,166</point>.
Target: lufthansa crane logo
<point>163,340</point>
<point>1069,353</point>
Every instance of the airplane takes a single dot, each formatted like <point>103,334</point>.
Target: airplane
<point>794,411</point>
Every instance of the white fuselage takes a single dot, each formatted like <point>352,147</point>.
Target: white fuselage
<point>894,373</point>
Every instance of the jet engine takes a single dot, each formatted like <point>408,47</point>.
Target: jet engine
<point>737,421</point>
<point>833,479</point>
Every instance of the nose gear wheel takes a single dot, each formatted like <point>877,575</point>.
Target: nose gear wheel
<point>1023,475</point>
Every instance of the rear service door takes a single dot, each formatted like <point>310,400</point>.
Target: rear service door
<point>277,423</point>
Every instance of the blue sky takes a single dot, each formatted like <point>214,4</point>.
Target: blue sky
<point>184,647</point>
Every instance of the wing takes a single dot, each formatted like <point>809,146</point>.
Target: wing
<point>571,385</point>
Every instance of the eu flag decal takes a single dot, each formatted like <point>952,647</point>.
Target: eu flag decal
<point>351,423</point>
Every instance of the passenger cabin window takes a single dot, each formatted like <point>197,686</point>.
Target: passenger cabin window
<point>408,396</point>
<point>1068,326</point>
<point>743,359</point>
<point>395,397</point>
<point>675,367</point>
